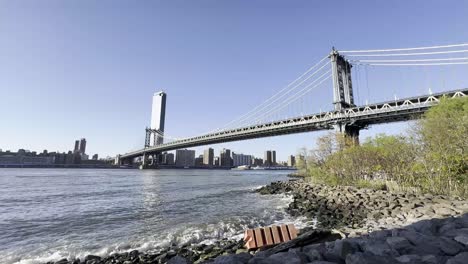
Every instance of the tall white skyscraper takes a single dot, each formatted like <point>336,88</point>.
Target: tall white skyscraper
<point>158,115</point>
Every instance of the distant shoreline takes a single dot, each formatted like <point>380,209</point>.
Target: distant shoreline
<point>100,166</point>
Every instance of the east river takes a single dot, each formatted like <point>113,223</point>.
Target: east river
<point>49,214</point>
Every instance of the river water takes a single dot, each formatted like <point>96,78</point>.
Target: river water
<point>49,214</point>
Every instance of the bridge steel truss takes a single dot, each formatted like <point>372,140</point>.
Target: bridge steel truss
<point>358,117</point>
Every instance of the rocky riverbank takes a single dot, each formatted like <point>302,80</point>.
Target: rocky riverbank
<point>355,211</point>
<point>353,226</point>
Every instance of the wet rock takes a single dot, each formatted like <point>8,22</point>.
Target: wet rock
<point>62,261</point>
<point>178,260</point>
<point>91,258</point>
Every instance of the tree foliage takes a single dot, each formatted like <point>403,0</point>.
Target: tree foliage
<point>433,158</point>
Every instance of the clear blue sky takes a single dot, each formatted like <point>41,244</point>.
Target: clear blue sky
<point>72,69</point>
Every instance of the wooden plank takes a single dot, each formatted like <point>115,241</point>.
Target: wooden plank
<point>284,233</point>
<point>268,236</point>
<point>276,234</point>
<point>292,231</point>
<point>259,238</point>
<point>249,239</point>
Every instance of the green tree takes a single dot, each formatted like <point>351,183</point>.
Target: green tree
<point>442,134</point>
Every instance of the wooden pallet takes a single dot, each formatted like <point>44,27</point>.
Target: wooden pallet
<point>268,236</point>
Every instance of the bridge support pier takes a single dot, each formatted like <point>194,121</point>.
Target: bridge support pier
<point>351,133</point>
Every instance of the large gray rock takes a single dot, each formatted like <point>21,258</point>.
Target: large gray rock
<point>368,258</point>
<point>423,244</point>
<point>313,254</point>
<point>378,248</point>
<point>287,257</point>
<point>400,244</point>
<point>461,258</point>
<point>344,247</point>
<point>241,258</point>
<point>413,259</point>
<point>178,260</point>
<point>462,239</point>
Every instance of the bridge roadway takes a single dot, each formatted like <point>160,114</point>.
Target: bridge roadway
<point>359,116</point>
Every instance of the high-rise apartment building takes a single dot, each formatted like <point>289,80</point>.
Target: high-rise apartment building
<point>185,157</point>
<point>241,159</point>
<point>273,157</point>
<point>208,157</point>
<point>158,115</point>
<point>291,161</point>
<point>225,158</point>
<point>77,146</point>
<point>267,158</point>
<point>83,146</point>
<point>167,158</point>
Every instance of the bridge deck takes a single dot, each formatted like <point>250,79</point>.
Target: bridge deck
<point>384,112</point>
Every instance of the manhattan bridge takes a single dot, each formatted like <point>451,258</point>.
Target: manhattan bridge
<point>345,114</point>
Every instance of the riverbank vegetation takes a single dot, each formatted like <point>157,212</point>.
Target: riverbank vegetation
<point>430,157</point>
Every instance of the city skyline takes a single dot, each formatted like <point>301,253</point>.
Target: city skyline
<point>68,79</point>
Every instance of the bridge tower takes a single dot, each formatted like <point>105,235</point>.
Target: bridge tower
<point>342,84</point>
<point>343,93</point>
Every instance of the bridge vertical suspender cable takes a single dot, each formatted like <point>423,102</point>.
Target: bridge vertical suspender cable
<point>277,94</point>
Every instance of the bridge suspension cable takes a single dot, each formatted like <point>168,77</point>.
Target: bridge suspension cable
<point>407,54</point>
<point>414,64</point>
<point>281,94</point>
<point>415,60</point>
<point>405,49</point>
<point>298,95</point>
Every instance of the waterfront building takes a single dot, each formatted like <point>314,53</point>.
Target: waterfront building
<point>83,146</point>
<point>185,158</point>
<point>225,159</point>
<point>291,161</point>
<point>208,157</point>
<point>158,115</point>
<point>273,157</point>
<point>257,162</point>
<point>267,158</point>
<point>95,157</point>
<point>241,159</point>
<point>77,146</point>
<point>167,158</point>
<point>199,161</point>
<point>69,159</point>
<point>216,162</point>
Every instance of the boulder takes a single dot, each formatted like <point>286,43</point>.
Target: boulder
<point>409,259</point>
<point>344,247</point>
<point>178,260</point>
<point>92,257</point>
<point>287,257</point>
<point>399,244</point>
<point>378,248</point>
<point>462,239</point>
<point>233,259</point>
<point>459,259</point>
<point>368,258</point>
